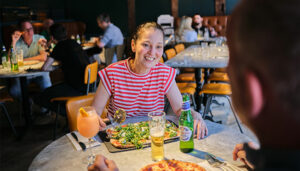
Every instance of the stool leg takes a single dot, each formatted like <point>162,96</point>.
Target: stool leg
<point>9,120</point>
<point>55,124</point>
<point>233,111</point>
<point>194,102</point>
<point>207,106</point>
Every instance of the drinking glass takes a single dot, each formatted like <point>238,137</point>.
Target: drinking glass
<point>118,118</point>
<point>157,120</point>
<point>88,126</point>
<point>19,54</point>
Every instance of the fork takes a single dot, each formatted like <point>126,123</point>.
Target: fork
<point>214,162</point>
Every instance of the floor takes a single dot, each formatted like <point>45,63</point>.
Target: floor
<point>17,154</point>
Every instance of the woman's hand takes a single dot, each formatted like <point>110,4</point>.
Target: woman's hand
<point>103,164</point>
<point>102,124</point>
<point>200,129</point>
<point>240,153</point>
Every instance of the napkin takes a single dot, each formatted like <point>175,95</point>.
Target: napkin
<point>83,140</point>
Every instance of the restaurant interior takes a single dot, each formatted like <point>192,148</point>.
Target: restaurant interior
<point>41,128</point>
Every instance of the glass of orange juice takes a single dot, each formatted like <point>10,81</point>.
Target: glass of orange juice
<point>88,126</point>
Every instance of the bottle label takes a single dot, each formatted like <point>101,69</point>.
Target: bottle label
<point>186,105</point>
<point>185,133</point>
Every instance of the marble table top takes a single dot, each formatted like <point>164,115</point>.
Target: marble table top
<point>61,155</point>
<point>195,57</point>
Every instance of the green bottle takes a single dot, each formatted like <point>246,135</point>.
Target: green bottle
<point>13,61</point>
<point>186,126</point>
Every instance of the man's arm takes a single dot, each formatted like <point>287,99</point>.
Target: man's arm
<point>41,57</point>
<point>48,64</point>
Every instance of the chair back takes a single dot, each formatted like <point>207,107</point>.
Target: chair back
<point>179,47</point>
<point>170,53</point>
<point>72,107</point>
<point>161,60</point>
<point>167,23</point>
<point>90,75</point>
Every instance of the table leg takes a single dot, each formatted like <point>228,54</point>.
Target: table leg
<point>25,101</point>
<point>198,88</point>
<point>206,75</point>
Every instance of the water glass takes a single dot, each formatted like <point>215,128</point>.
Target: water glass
<point>157,121</point>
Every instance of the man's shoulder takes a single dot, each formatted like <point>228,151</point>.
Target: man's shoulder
<point>38,37</point>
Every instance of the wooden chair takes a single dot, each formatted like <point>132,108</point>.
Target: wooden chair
<point>6,98</point>
<point>90,77</point>
<point>73,105</point>
<point>221,70</point>
<point>218,77</point>
<point>179,47</point>
<point>170,53</point>
<point>217,89</point>
<point>161,60</point>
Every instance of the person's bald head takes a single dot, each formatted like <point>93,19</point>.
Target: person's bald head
<point>264,39</point>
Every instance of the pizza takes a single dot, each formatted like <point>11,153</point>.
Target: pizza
<point>172,165</point>
<point>138,134</point>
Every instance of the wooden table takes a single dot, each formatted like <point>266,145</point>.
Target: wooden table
<point>193,58</point>
<point>61,155</point>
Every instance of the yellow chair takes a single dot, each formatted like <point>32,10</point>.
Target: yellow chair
<point>217,89</point>
<point>186,77</point>
<point>161,60</point>
<point>218,77</point>
<point>90,77</point>
<point>179,47</point>
<point>221,70</point>
<point>170,53</point>
<point>188,88</point>
<point>73,105</point>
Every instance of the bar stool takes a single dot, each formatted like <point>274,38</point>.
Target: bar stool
<point>217,89</point>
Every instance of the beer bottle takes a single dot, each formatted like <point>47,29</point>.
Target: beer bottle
<point>186,126</point>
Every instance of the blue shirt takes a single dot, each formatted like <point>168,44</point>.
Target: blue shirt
<point>189,36</point>
<point>33,49</point>
<point>112,36</point>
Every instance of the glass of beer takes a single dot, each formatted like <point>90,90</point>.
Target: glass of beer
<point>88,126</point>
<point>19,54</point>
<point>157,120</point>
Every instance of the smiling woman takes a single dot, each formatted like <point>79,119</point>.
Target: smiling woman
<point>138,84</point>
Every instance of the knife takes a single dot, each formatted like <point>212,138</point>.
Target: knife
<point>82,145</point>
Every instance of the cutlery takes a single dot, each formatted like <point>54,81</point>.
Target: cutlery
<point>214,162</point>
<point>82,145</point>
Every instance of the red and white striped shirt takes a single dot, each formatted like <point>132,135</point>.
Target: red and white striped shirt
<point>136,94</point>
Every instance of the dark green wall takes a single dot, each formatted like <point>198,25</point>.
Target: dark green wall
<point>146,10</point>
<point>190,7</point>
<point>230,4</point>
<point>149,10</point>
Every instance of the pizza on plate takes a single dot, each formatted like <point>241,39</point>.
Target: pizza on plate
<point>137,134</point>
<point>172,165</point>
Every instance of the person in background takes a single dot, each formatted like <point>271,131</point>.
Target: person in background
<point>185,31</point>
<point>47,23</point>
<point>199,28</point>
<point>112,37</point>
<point>265,78</point>
<point>46,32</point>
<point>73,61</point>
<point>25,39</point>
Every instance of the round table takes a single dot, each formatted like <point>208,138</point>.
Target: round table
<point>22,75</point>
<point>61,155</point>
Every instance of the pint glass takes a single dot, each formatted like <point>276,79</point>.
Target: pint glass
<point>157,122</point>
